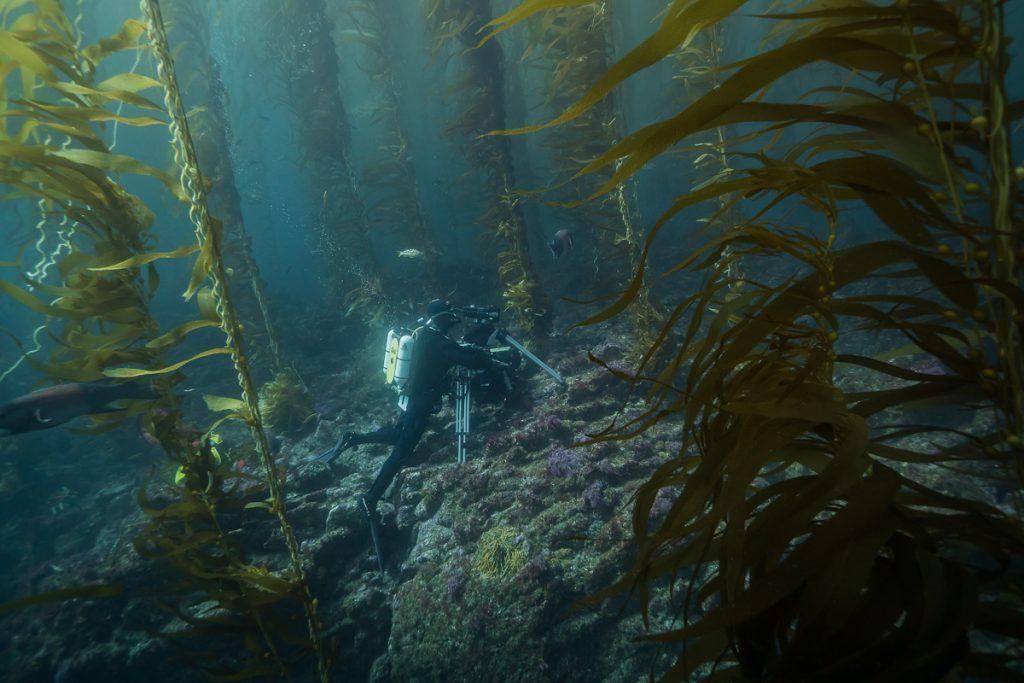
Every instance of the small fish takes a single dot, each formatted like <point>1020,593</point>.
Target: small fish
<point>324,199</point>
<point>560,244</point>
<point>410,253</point>
<point>53,406</point>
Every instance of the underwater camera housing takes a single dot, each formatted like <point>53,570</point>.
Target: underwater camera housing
<point>485,332</point>
<point>480,314</point>
<point>494,386</point>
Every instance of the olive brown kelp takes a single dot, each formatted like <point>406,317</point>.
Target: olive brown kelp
<point>389,181</point>
<point>54,151</point>
<point>480,94</point>
<point>699,69</point>
<point>575,46</point>
<point>102,304</point>
<point>302,32</point>
<point>50,104</point>
<point>211,265</point>
<point>214,141</point>
<point>812,537</point>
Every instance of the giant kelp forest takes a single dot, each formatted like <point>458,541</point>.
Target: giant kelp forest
<point>791,444</point>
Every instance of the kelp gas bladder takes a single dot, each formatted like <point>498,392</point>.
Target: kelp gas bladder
<point>809,545</point>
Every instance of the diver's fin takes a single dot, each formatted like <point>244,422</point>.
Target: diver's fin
<point>106,409</point>
<point>371,520</point>
<point>346,442</point>
<point>328,456</point>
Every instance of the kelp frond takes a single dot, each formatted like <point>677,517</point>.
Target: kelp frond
<point>814,544</point>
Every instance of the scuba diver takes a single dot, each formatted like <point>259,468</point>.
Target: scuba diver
<point>426,364</point>
<point>419,364</point>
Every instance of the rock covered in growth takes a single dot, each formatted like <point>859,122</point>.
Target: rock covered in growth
<point>484,561</point>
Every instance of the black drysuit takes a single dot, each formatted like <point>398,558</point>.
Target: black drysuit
<point>434,354</point>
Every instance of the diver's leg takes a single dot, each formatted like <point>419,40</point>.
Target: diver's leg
<point>385,435</point>
<point>410,431</point>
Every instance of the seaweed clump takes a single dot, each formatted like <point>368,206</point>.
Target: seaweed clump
<point>285,404</point>
<point>499,555</point>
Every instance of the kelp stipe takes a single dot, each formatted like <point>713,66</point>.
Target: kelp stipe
<point>210,263</point>
<point>455,25</point>
<point>391,177</point>
<point>302,33</point>
<point>214,138</point>
<point>699,69</point>
<point>575,45</point>
<point>807,546</point>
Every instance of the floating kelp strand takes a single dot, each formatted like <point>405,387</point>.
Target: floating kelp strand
<point>207,235</point>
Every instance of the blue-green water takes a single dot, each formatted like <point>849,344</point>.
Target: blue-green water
<point>346,147</point>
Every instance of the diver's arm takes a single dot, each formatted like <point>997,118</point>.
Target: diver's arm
<point>466,355</point>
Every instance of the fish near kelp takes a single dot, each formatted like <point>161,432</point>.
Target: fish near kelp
<point>560,244</point>
<point>56,405</point>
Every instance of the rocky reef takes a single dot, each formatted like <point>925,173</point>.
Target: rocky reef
<point>485,561</point>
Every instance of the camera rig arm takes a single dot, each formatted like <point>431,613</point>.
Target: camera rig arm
<point>503,336</point>
<point>488,317</point>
